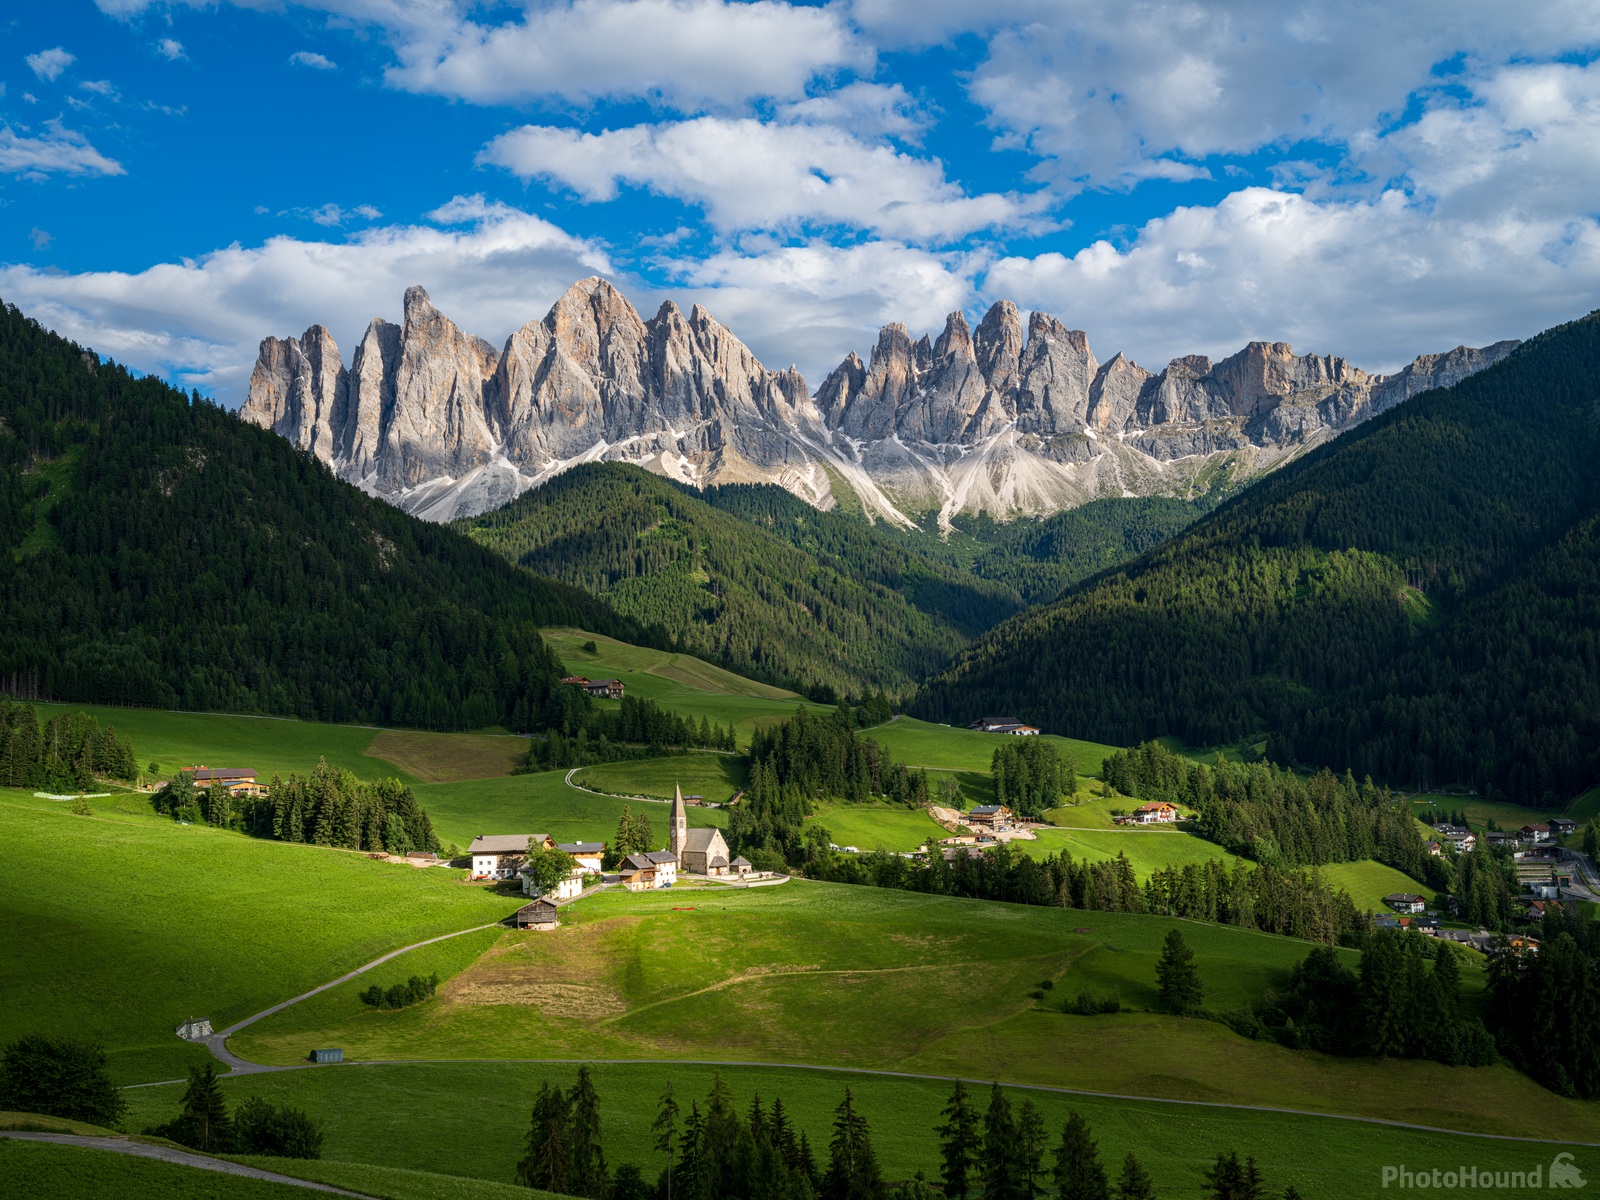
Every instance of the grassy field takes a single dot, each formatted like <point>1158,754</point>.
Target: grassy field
<point>871,826</point>
<point>1369,882</point>
<point>680,682</point>
<point>1146,849</point>
<point>1586,807</point>
<point>42,1171</point>
<point>921,744</point>
<point>119,926</point>
<point>449,757</point>
<point>394,1183</point>
<point>469,1119</point>
<point>858,977</point>
<point>540,803</point>
<point>717,777</point>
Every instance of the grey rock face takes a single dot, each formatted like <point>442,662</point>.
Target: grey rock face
<point>999,419</point>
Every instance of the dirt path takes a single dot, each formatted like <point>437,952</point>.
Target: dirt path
<point>182,1158</point>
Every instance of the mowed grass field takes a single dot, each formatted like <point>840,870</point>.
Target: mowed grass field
<point>1369,882</point>
<point>874,826</point>
<point>923,744</point>
<point>716,777</point>
<point>1146,849</point>
<point>679,682</point>
<point>540,803</point>
<point>119,926</point>
<point>470,1120</point>
<point>844,976</point>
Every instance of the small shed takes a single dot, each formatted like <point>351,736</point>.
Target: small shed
<point>332,1055</point>
<point>541,914</point>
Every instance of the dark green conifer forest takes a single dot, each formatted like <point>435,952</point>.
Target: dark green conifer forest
<point>1416,601</point>
<point>155,550</point>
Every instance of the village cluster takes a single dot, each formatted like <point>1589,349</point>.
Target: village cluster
<point>698,853</point>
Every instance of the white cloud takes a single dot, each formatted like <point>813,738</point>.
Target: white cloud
<point>1377,281</point>
<point>869,109</point>
<point>49,64</point>
<point>170,49</point>
<point>310,58</point>
<point>199,321</point>
<point>811,305</point>
<point>685,53</point>
<point>39,238</point>
<point>100,87</point>
<point>329,215</point>
<point>752,175</point>
<point>58,151</point>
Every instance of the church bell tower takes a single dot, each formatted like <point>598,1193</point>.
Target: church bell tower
<point>679,833</point>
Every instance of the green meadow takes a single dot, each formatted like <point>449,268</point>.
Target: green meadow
<point>469,1120</point>
<point>716,777</point>
<point>120,926</point>
<point>43,1171</point>
<point>1369,882</point>
<point>875,826</point>
<point>680,682</point>
<point>839,976</point>
<point>1146,849</point>
<point>541,803</point>
<point>923,744</point>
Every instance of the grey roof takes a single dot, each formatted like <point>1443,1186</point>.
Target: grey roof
<point>581,847</point>
<point>1403,898</point>
<point>700,841</point>
<point>638,862</point>
<point>504,843</point>
<point>662,856</point>
<point>741,861</point>
<point>986,808</point>
<point>219,773</point>
<point>716,860</point>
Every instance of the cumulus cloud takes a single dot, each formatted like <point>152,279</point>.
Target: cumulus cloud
<point>199,321</point>
<point>1378,281</point>
<point>57,151</point>
<point>753,175</point>
<point>49,64</point>
<point>100,87</point>
<point>171,49</point>
<point>310,58</point>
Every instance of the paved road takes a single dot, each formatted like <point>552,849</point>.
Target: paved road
<point>218,1042</point>
<point>181,1157</point>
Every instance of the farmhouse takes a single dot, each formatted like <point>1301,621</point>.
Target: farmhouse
<point>1157,812</point>
<point>587,855</point>
<point>1459,836</point>
<point>1561,827</point>
<point>1406,902</point>
<point>541,914</point>
<point>238,780</point>
<point>638,873</point>
<point>604,689</point>
<point>569,888</point>
<point>991,816</point>
<point>1434,848</point>
<point>666,865</point>
<point>1009,725</point>
<point>576,680</point>
<point>500,856</point>
<point>698,851</point>
<point>1539,835</point>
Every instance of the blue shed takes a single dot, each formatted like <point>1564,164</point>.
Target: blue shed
<point>327,1056</point>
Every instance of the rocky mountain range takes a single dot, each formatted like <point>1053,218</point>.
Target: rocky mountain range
<point>1000,419</point>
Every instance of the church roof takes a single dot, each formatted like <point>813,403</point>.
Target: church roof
<point>662,856</point>
<point>700,841</point>
<point>716,860</point>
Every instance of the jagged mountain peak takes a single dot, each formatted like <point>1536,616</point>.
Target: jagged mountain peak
<point>1007,417</point>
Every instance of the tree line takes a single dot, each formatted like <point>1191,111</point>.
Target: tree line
<point>69,751</point>
<point>328,807</point>
<point>1030,776</point>
<point>1544,1007</point>
<point>637,728</point>
<point>999,1151</point>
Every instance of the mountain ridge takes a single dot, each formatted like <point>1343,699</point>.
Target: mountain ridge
<point>999,419</point>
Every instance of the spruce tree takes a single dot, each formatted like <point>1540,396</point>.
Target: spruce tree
<point>958,1143</point>
<point>1078,1173</point>
<point>588,1159</point>
<point>204,1122</point>
<point>1134,1183</point>
<point>1002,1166</point>
<point>1031,1145</point>
<point>547,1159</point>
<point>853,1172</point>
<point>1177,976</point>
<point>665,1127</point>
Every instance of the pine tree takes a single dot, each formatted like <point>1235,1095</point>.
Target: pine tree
<point>665,1127</point>
<point>853,1172</point>
<point>958,1143</point>
<point>1031,1145</point>
<point>204,1123</point>
<point>1134,1182</point>
<point>547,1160</point>
<point>1177,976</point>
<point>1078,1173</point>
<point>1002,1166</point>
<point>588,1159</point>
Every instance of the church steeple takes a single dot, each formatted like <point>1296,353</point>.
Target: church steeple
<point>679,833</point>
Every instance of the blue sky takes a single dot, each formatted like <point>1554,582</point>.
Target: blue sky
<point>178,180</point>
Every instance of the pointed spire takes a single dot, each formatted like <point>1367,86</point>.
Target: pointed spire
<point>679,832</point>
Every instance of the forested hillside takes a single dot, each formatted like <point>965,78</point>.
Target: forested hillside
<point>158,551</point>
<point>749,577</point>
<point>1416,600</point>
